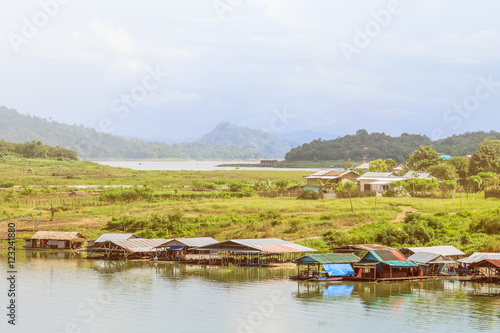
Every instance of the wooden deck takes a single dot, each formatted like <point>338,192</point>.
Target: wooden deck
<point>406,278</point>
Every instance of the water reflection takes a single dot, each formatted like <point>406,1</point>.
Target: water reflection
<point>154,297</point>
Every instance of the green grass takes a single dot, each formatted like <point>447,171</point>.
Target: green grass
<point>311,222</point>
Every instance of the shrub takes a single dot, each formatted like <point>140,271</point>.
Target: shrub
<point>309,195</point>
<point>7,184</point>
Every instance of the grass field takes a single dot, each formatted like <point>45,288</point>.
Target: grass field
<point>310,222</point>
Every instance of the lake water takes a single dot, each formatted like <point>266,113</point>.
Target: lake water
<point>62,294</point>
<point>193,166</point>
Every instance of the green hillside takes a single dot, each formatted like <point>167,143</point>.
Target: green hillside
<point>91,144</point>
<point>229,134</point>
<point>380,145</point>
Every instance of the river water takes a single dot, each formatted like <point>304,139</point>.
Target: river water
<point>192,166</point>
<point>62,292</point>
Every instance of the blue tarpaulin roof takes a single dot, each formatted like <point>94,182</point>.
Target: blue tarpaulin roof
<point>175,248</point>
<point>338,269</point>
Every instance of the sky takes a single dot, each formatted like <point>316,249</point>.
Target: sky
<point>172,70</point>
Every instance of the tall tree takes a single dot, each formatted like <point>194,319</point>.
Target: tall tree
<point>444,171</point>
<point>461,164</point>
<point>423,158</point>
<point>348,165</point>
<point>390,163</point>
<point>377,166</point>
<point>486,158</point>
<point>349,188</point>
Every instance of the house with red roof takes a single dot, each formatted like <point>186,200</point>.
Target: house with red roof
<point>324,178</point>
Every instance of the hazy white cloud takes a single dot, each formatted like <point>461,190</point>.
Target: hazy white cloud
<point>116,39</point>
<point>264,54</point>
<point>168,97</point>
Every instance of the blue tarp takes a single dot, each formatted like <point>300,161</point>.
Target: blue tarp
<point>338,290</point>
<point>175,248</point>
<point>338,269</point>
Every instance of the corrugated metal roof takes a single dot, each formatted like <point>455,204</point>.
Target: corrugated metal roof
<point>328,258</point>
<point>330,174</point>
<point>117,237</point>
<point>429,258</point>
<point>269,245</point>
<point>377,175</point>
<point>478,256</point>
<point>397,263</point>
<point>364,166</point>
<point>487,263</point>
<point>444,250</point>
<point>192,242</point>
<point>139,244</point>
<point>59,235</point>
<point>418,174</point>
<point>389,257</point>
<point>361,247</point>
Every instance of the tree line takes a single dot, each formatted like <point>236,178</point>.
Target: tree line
<point>35,149</point>
<point>380,145</point>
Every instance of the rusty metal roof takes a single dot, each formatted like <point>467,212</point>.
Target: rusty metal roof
<point>360,247</point>
<point>487,263</point>
<point>59,235</point>
<point>269,245</point>
<point>390,257</point>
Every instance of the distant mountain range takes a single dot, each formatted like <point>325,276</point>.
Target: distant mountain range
<point>231,142</point>
<point>229,134</point>
<point>225,142</point>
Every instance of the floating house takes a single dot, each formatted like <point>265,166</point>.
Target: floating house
<point>479,256</point>
<point>55,240</point>
<point>386,265</point>
<point>434,264</point>
<point>179,249</point>
<point>448,251</point>
<point>255,252</point>
<point>134,248</point>
<point>335,266</point>
<point>489,269</point>
<point>109,237</point>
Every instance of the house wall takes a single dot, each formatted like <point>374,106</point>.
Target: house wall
<point>366,183</point>
<point>314,182</point>
<point>350,177</point>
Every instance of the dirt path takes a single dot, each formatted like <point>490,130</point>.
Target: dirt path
<point>401,216</point>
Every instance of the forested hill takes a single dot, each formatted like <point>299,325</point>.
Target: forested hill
<point>91,144</point>
<point>380,145</point>
<point>230,134</point>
